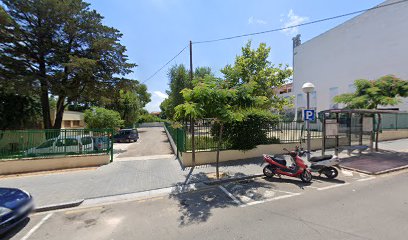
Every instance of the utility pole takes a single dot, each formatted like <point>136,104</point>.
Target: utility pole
<point>192,122</point>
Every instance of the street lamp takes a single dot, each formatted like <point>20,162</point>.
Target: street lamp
<point>308,88</point>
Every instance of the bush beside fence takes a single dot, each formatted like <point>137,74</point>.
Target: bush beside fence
<point>205,135</point>
<point>277,132</point>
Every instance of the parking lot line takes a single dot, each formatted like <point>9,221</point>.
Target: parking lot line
<point>270,199</point>
<point>37,226</point>
<point>347,173</point>
<point>230,195</point>
<point>365,179</point>
<point>333,186</point>
<point>276,190</point>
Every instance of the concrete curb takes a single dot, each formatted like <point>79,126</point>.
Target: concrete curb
<point>172,190</point>
<point>376,173</point>
<point>233,179</point>
<point>58,206</point>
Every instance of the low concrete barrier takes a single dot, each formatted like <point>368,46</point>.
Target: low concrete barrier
<point>393,134</point>
<point>207,157</point>
<point>25,165</point>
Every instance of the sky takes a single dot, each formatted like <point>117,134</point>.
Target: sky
<point>154,31</point>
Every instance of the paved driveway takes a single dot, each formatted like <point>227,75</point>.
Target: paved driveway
<point>400,145</point>
<point>153,141</point>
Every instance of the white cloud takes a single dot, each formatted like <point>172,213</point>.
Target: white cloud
<point>161,94</point>
<point>291,20</point>
<point>252,20</point>
<point>156,99</point>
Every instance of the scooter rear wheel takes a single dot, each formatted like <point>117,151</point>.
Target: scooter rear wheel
<point>330,172</point>
<point>306,176</point>
<point>268,171</point>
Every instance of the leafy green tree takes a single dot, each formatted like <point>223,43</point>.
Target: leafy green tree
<point>128,97</point>
<point>100,118</point>
<point>18,111</point>
<point>59,48</point>
<point>385,91</point>
<point>180,79</point>
<point>246,95</point>
<point>254,68</point>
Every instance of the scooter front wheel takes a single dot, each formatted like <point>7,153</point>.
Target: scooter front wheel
<point>268,171</point>
<point>330,172</point>
<point>306,176</point>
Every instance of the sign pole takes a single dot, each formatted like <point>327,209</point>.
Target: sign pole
<point>308,127</point>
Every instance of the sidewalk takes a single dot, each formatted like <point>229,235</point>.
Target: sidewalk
<point>119,177</point>
<point>129,176</point>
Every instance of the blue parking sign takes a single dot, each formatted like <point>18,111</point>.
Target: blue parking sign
<point>309,115</point>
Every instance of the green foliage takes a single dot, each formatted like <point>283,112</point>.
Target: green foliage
<point>149,118</point>
<point>179,80</point>
<point>385,91</point>
<point>253,68</point>
<point>249,133</point>
<point>243,102</point>
<point>18,112</point>
<point>100,118</point>
<point>59,48</point>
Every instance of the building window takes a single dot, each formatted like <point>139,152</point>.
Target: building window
<point>334,91</point>
<point>67,123</point>
<point>75,123</point>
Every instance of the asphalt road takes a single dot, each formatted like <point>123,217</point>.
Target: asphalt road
<point>152,141</point>
<point>355,207</point>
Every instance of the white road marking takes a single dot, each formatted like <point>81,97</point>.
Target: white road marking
<point>365,179</point>
<point>270,199</point>
<point>311,187</point>
<point>292,193</point>
<point>347,173</point>
<point>333,186</point>
<point>363,175</point>
<point>36,227</point>
<point>230,195</point>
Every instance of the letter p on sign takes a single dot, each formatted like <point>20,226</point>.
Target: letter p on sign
<point>309,115</point>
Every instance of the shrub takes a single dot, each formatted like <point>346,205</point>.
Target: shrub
<point>98,118</point>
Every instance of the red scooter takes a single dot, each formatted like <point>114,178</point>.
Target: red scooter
<point>278,166</point>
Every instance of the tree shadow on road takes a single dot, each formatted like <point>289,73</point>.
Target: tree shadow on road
<point>196,205</point>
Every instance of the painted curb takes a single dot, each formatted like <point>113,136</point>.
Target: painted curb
<point>58,206</point>
<point>226,180</point>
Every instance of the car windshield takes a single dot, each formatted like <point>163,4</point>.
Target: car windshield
<point>125,132</point>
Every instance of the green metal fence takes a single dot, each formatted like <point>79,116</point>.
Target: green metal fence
<point>276,131</point>
<point>394,121</point>
<point>50,142</point>
<point>206,139</point>
<point>179,137</point>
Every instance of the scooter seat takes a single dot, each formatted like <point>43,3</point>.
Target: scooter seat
<point>320,158</point>
<point>279,160</point>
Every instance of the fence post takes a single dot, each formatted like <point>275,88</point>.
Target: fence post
<point>111,149</point>
<point>177,142</point>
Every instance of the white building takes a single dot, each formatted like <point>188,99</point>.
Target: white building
<point>367,46</point>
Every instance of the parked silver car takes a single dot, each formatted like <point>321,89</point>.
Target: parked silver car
<point>61,145</point>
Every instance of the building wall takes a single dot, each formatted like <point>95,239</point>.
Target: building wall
<point>71,119</point>
<point>368,46</point>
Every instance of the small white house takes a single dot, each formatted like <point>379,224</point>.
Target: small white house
<point>367,46</point>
